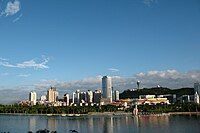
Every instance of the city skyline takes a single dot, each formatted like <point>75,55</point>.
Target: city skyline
<point>71,44</point>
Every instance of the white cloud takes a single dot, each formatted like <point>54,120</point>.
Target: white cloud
<point>113,69</point>
<point>27,64</point>
<point>12,8</point>
<point>24,75</point>
<point>167,78</point>
<point>3,59</point>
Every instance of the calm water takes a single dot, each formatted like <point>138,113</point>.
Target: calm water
<point>102,124</point>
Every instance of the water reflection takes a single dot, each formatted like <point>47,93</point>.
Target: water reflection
<point>108,124</point>
<point>101,124</point>
<point>90,125</point>
<point>52,124</point>
<point>32,123</point>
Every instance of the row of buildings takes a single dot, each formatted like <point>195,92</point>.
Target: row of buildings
<point>104,95</point>
<point>107,95</point>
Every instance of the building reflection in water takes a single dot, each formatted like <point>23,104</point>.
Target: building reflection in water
<point>108,125</point>
<point>153,122</point>
<point>136,121</point>
<point>51,124</point>
<point>32,124</point>
<point>90,125</point>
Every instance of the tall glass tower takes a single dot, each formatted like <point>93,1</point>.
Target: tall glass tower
<point>107,87</point>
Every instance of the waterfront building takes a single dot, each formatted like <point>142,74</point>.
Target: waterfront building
<point>78,96</point>
<point>107,88</point>
<point>66,99</point>
<point>83,97</point>
<point>186,98</point>
<point>197,87</point>
<point>97,96</point>
<point>52,95</point>
<point>33,97</point>
<point>151,101</point>
<point>146,96</point>
<point>196,98</point>
<point>116,95</point>
<point>89,96</point>
<point>73,97</point>
<point>170,97</point>
<point>43,98</point>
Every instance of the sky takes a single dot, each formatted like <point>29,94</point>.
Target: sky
<point>44,43</point>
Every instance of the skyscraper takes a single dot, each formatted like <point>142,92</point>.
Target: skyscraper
<point>52,95</point>
<point>107,88</point>
<point>89,96</point>
<point>66,99</point>
<point>196,98</point>
<point>197,87</point>
<point>116,95</point>
<point>33,97</point>
<point>97,96</point>
<point>78,93</point>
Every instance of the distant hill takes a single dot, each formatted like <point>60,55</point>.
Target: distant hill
<point>156,91</point>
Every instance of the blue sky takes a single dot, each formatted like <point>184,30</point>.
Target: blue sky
<point>86,38</point>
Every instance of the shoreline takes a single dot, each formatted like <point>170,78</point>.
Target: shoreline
<point>184,113</point>
<point>103,114</point>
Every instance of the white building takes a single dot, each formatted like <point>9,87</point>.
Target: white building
<point>43,98</point>
<point>89,96</point>
<point>116,95</point>
<point>196,98</point>
<point>33,97</point>
<point>78,94</point>
<point>107,88</point>
<point>73,97</point>
<point>52,95</point>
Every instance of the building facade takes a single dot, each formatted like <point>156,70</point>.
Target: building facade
<point>197,88</point>
<point>33,97</point>
<point>116,95</point>
<point>97,96</point>
<point>107,88</point>
<point>66,99</point>
<point>89,96</point>
<point>52,95</point>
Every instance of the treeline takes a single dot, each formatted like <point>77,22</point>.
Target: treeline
<point>181,107</point>
<point>156,91</point>
<point>41,109</point>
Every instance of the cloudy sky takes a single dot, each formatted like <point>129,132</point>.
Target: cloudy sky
<point>71,44</point>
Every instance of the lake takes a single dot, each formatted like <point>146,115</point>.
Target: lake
<point>102,124</point>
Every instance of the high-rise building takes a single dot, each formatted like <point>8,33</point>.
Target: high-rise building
<point>52,95</point>
<point>83,97</point>
<point>196,98</point>
<point>66,99</point>
<point>78,94</point>
<point>107,87</point>
<point>73,97</point>
<point>97,96</point>
<point>197,87</point>
<point>89,96</point>
<point>116,95</point>
<point>33,97</point>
